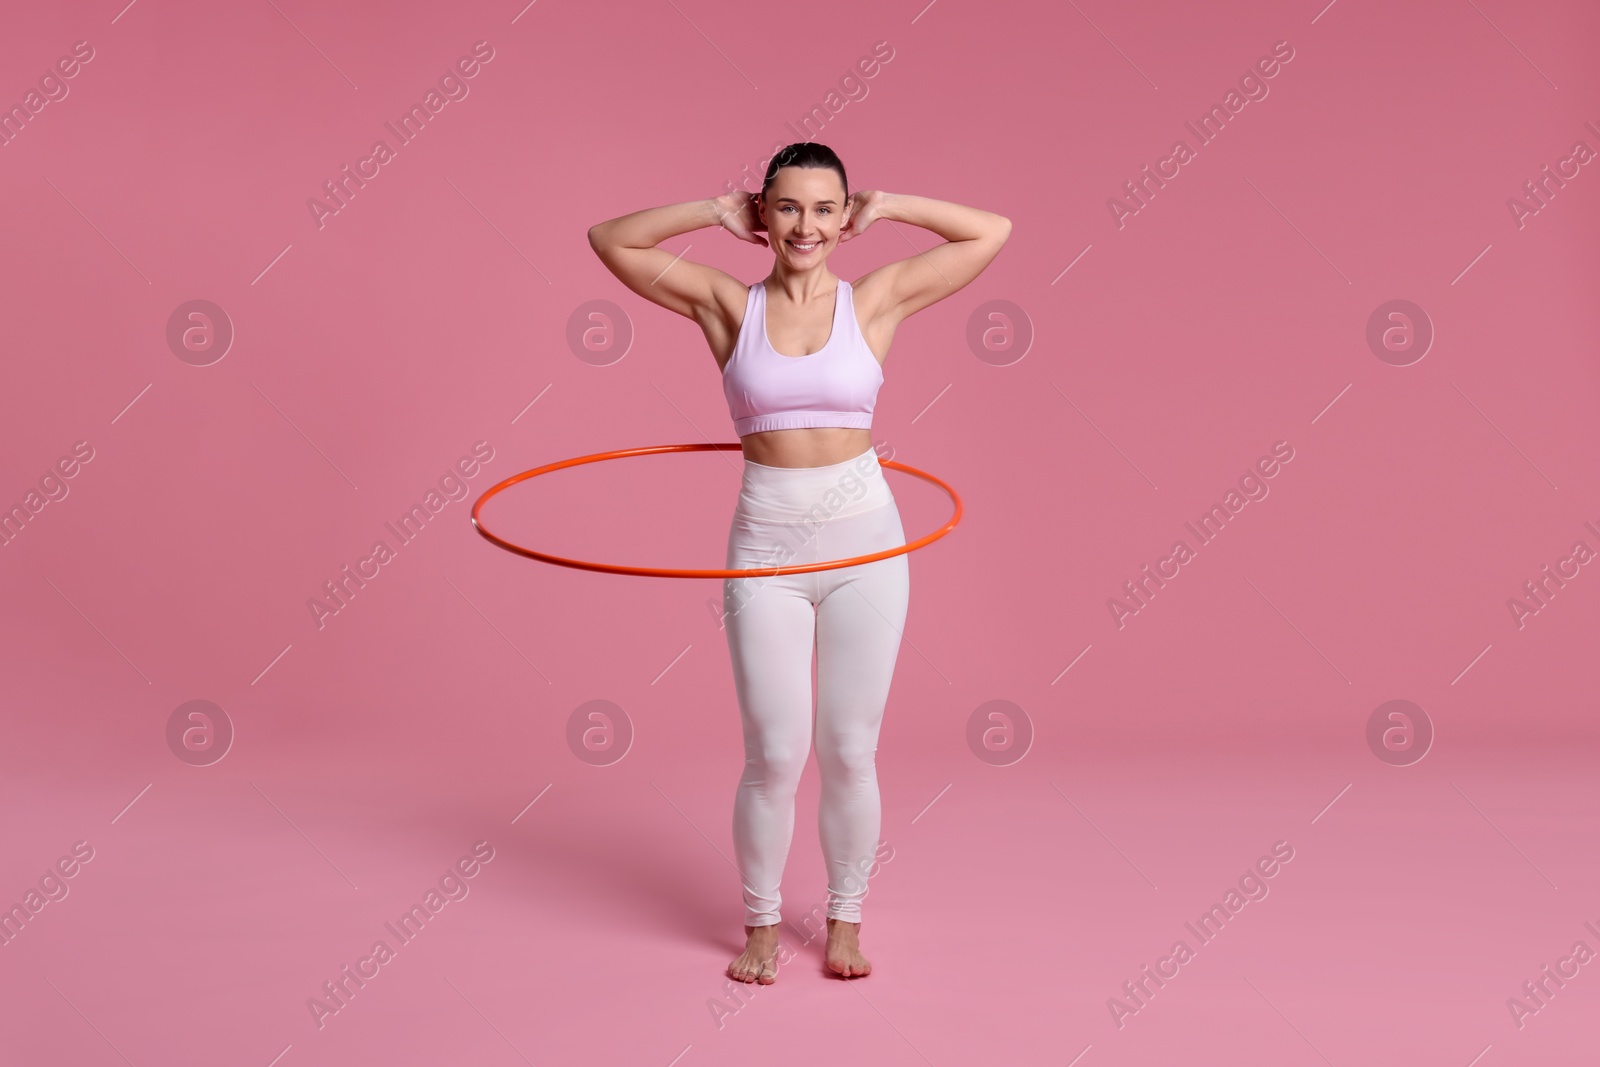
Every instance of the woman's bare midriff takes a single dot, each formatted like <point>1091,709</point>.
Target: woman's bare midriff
<point>812,446</point>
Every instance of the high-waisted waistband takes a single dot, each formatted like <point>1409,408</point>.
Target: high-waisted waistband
<point>810,495</point>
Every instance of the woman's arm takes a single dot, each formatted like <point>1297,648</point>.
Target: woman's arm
<point>627,245</point>
<point>973,237</point>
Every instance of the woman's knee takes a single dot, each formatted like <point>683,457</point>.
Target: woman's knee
<point>847,759</point>
<point>775,763</point>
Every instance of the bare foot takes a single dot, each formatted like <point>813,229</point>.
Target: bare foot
<point>843,954</point>
<point>759,960</point>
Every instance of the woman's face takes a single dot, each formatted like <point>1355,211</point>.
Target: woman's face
<point>804,209</point>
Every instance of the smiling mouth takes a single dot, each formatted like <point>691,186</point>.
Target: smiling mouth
<point>806,246</point>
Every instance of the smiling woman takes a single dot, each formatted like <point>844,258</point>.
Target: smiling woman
<point>802,353</point>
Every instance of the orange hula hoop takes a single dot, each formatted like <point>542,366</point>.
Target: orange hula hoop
<point>667,572</point>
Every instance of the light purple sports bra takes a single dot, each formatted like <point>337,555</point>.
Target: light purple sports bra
<point>837,385</point>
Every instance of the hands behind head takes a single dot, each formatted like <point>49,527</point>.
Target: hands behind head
<point>741,216</point>
<point>863,205</point>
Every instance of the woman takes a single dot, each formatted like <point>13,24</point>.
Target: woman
<point>801,355</point>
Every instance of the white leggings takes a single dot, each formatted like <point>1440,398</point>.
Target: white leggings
<point>854,615</point>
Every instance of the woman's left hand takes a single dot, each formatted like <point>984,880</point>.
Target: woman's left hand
<point>864,211</point>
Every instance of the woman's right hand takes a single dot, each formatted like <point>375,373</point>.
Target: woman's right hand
<point>738,214</point>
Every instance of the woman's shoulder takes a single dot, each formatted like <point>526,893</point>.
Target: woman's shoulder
<point>868,295</point>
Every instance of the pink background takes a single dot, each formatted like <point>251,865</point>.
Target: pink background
<point>1150,764</point>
